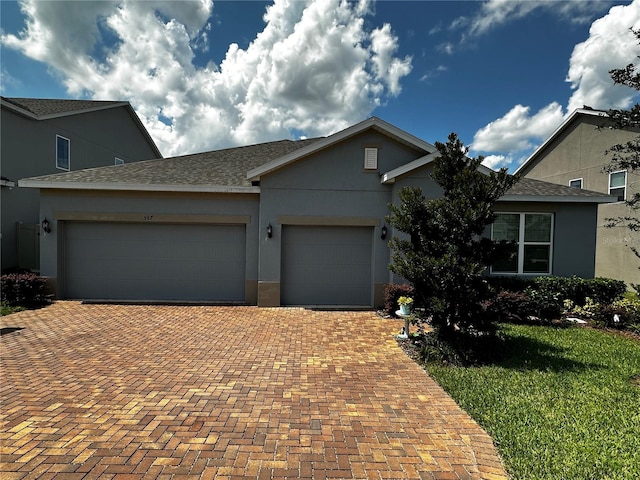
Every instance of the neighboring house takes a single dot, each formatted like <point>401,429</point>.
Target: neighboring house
<point>41,136</point>
<point>574,155</point>
<point>279,223</point>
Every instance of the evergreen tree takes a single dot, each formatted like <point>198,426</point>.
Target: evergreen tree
<point>444,253</point>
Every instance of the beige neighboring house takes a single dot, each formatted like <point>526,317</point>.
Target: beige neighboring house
<point>574,155</point>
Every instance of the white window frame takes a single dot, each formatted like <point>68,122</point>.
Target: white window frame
<point>521,244</point>
<point>68,153</point>
<point>118,161</point>
<point>576,180</point>
<point>370,158</point>
<point>624,196</point>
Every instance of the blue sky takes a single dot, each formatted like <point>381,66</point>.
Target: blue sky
<point>202,75</point>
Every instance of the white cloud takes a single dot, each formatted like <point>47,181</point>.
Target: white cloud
<point>433,72</point>
<point>496,161</point>
<point>610,45</point>
<point>314,67</point>
<point>516,130</point>
<point>494,13</point>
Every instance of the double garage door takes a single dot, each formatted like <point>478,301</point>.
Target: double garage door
<point>174,262</point>
<point>326,265</point>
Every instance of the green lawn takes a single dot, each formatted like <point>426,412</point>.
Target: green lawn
<point>563,405</point>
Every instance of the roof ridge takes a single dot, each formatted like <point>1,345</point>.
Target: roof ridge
<point>44,107</point>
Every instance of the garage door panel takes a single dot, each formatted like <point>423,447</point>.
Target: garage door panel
<point>155,261</point>
<point>326,265</point>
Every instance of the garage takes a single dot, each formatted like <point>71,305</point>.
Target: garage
<point>152,261</point>
<point>326,265</point>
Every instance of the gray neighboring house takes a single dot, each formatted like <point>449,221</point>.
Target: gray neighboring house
<point>44,136</point>
<point>574,155</point>
<point>279,223</point>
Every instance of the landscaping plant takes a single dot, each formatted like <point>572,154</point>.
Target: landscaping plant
<point>444,253</point>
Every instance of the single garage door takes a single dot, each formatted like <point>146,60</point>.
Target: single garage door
<point>130,261</point>
<point>326,266</point>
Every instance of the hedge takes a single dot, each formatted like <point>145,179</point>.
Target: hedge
<point>24,290</point>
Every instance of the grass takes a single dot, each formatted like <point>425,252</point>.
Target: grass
<point>6,309</point>
<point>564,404</point>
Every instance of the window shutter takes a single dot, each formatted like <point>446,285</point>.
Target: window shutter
<point>371,158</point>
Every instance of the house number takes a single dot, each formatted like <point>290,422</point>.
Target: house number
<point>148,217</point>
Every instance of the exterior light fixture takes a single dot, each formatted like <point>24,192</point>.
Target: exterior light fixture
<point>269,231</point>
<point>46,226</point>
<point>383,232</point>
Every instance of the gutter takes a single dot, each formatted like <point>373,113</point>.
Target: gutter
<point>135,187</point>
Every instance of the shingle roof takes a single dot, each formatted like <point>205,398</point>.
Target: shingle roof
<point>226,167</point>
<point>528,187</point>
<point>49,106</point>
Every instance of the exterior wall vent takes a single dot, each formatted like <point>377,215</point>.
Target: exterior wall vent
<point>371,158</point>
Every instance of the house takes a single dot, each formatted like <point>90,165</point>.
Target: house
<point>279,223</point>
<point>574,155</point>
<point>43,136</point>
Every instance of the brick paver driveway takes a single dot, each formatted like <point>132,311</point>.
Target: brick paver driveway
<point>131,392</point>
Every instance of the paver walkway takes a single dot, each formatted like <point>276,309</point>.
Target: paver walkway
<point>132,392</point>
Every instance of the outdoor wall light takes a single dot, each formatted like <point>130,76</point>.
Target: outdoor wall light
<point>383,232</point>
<point>269,231</point>
<point>46,226</point>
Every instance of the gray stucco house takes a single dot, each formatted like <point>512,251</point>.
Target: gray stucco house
<point>44,136</point>
<point>279,223</point>
<point>574,155</point>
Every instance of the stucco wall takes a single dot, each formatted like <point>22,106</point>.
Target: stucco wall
<point>330,188</point>
<point>28,148</point>
<point>574,236</point>
<point>579,152</point>
<point>144,207</point>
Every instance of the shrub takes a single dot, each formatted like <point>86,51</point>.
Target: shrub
<point>545,303</point>
<point>576,289</point>
<point>393,292</point>
<point>609,316</point>
<point>510,307</point>
<point>509,284</point>
<point>460,349</point>
<point>606,290</point>
<point>24,289</point>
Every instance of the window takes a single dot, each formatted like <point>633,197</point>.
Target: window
<point>371,158</point>
<point>618,185</point>
<point>575,183</point>
<point>532,234</point>
<point>62,152</point>
<point>119,161</point>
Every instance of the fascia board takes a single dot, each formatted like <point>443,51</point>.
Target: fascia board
<point>18,110</point>
<point>32,115</point>
<point>557,199</point>
<point>391,175</point>
<point>557,132</point>
<point>135,187</point>
<point>375,122</point>
<point>7,183</point>
<point>143,129</point>
<point>84,110</point>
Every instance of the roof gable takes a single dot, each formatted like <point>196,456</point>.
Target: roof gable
<point>371,123</point>
<point>48,108</point>
<point>214,171</point>
<point>575,115</point>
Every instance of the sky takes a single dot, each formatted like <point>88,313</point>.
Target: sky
<point>210,74</point>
